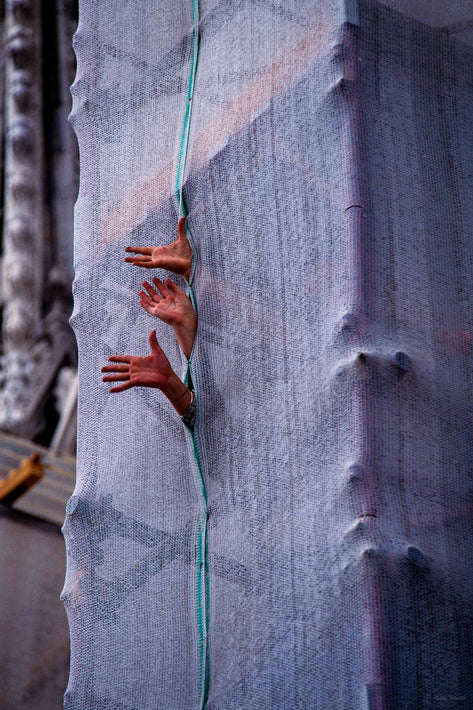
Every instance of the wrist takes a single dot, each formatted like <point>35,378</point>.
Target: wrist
<point>174,387</point>
<point>177,402</point>
<point>182,399</point>
<point>178,321</point>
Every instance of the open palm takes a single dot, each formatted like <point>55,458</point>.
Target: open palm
<point>169,303</point>
<point>153,370</point>
<point>175,257</point>
<point>166,301</point>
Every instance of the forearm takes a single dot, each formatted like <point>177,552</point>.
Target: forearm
<point>185,336</point>
<point>177,393</point>
<point>182,399</point>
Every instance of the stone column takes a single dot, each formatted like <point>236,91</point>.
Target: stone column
<point>23,218</point>
<point>65,158</point>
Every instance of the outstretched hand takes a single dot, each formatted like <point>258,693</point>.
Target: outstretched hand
<point>170,304</point>
<point>176,257</point>
<point>154,370</point>
<point>167,302</point>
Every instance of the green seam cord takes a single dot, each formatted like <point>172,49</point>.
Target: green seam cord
<point>201,538</point>
<point>184,145</point>
<point>202,554</point>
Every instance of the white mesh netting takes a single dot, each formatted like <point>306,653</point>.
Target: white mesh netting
<point>310,546</point>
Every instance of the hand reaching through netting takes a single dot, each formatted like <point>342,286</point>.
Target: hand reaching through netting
<point>170,304</point>
<point>166,301</point>
<point>134,371</point>
<point>152,370</point>
<point>175,257</point>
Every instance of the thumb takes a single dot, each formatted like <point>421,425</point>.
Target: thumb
<point>153,343</point>
<point>181,228</point>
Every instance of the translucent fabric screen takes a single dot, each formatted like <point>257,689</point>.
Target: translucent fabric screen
<point>310,546</point>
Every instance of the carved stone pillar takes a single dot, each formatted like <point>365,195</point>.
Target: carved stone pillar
<point>65,157</point>
<point>23,219</point>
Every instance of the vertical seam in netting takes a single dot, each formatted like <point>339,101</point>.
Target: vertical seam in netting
<point>201,542</point>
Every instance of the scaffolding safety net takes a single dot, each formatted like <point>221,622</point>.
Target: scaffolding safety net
<point>309,545</point>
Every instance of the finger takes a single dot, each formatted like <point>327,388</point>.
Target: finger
<point>171,286</point>
<point>120,358</point>
<point>151,292</point>
<point>153,342</point>
<point>116,378</point>
<point>145,299</point>
<point>181,228</point>
<point>145,264</point>
<point>122,388</point>
<point>160,286</point>
<point>140,250</point>
<point>148,308</point>
<point>137,259</point>
<point>115,368</point>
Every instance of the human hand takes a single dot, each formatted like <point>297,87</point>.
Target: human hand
<point>167,302</point>
<point>176,257</point>
<point>153,370</point>
<point>170,304</point>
